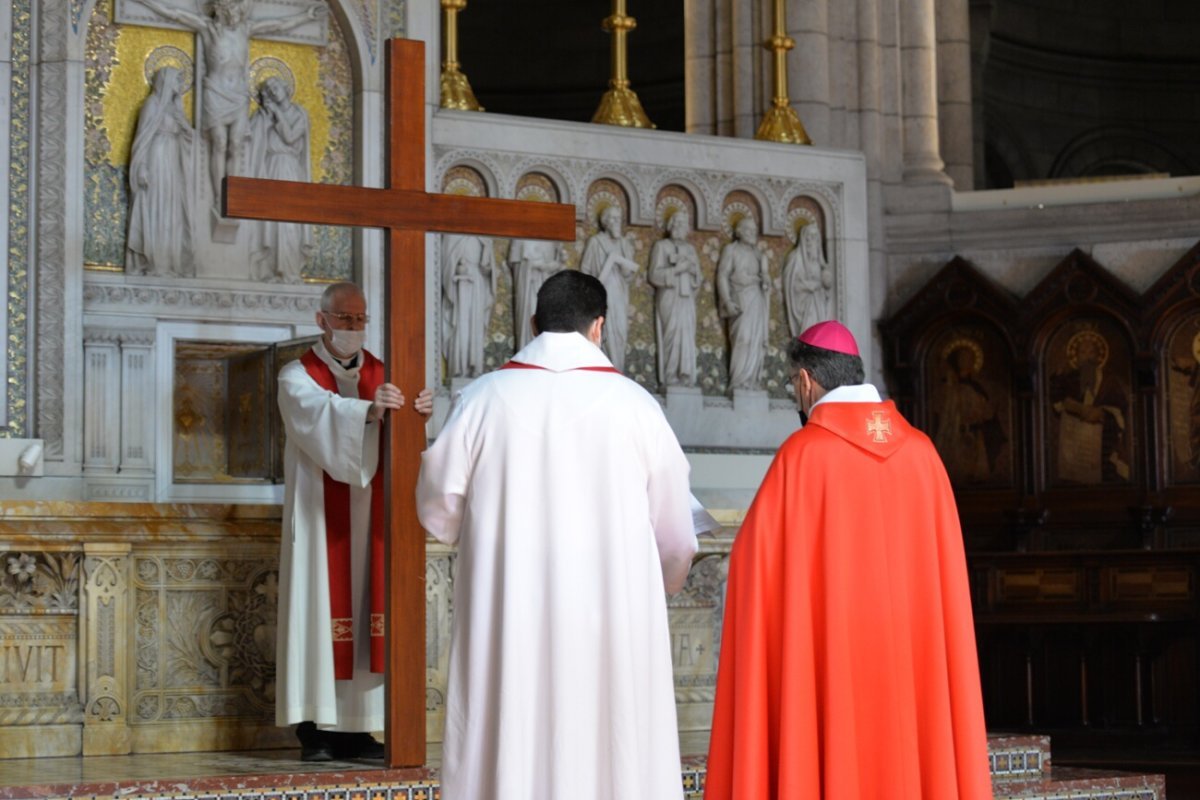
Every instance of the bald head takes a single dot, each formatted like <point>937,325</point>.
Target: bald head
<point>336,294</point>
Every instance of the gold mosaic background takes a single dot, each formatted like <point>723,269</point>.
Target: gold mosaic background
<point>115,87</point>
<point>711,336</point>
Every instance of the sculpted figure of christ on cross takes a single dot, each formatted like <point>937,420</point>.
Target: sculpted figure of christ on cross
<point>407,212</point>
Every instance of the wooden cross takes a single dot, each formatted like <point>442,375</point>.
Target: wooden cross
<point>407,212</point>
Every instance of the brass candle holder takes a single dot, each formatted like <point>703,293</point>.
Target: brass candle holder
<point>456,89</point>
<point>620,105</point>
<point>781,123</point>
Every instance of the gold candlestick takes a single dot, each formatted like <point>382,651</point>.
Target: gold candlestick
<point>781,124</point>
<point>456,89</point>
<point>620,105</point>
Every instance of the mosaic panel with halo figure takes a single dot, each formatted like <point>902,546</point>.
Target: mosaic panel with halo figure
<point>1088,403</point>
<point>1183,402</point>
<point>119,63</point>
<point>968,374</point>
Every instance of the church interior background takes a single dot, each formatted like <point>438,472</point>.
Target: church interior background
<point>1000,200</point>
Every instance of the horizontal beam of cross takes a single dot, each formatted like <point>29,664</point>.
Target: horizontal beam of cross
<point>399,209</point>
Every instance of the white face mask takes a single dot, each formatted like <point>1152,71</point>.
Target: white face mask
<point>347,343</point>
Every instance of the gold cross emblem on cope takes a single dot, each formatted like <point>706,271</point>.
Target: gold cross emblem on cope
<point>880,427</point>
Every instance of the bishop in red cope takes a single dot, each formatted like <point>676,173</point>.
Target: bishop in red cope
<point>848,668</point>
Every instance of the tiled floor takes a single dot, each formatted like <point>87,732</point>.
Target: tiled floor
<point>1021,766</point>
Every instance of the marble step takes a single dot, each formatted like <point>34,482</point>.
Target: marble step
<point>1016,757</point>
<point>1061,783</point>
<point>1021,764</point>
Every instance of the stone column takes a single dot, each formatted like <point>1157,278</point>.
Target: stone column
<point>699,66</point>
<point>102,414</point>
<point>954,91</point>
<point>808,66</point>
<point>104,649</point>
<point>58,234</point>
<point>137,404</point>
<point>744,60</point>
<point>918,69</point>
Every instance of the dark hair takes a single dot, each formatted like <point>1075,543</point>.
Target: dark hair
<point>569,301</point>
<point>827,368</point>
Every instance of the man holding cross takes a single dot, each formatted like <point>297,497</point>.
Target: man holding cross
<point>330,648</point>
<point>848,665</point>
<point>567,495</point>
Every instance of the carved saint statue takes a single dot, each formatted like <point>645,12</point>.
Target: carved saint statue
<point>225,34</point>
<point>160,213</point>
<point>609,257</point>
<point>468,292</point>
<point>807,282</point>
<point>675,274</point>
<point>279,149</point>
<point>532,261</point>
<point>743,297</point>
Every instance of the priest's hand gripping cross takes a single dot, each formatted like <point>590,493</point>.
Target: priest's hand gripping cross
<point>407,212</point>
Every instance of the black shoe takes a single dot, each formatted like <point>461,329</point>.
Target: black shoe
<point>315,745</point>
<point>316,752</point>
<point>358,745</point>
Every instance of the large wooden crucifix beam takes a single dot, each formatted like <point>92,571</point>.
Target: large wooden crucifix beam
<point>407,212</point>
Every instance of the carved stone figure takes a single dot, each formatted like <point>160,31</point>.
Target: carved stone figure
<point>743,297</point>
<point>225,34</point>
<point>608,256</point>
<point>160,213</point>
<point>807,283</point>
<point>675,274</point>
<point>468,292</point>
<point>532,261</point>
<point>279,149</point>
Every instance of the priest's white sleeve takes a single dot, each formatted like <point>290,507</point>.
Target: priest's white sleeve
<point>442,483</point>
<point>670,508</point>
<point>330,429</point>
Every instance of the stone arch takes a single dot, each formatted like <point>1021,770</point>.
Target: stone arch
<point>1115,151</point>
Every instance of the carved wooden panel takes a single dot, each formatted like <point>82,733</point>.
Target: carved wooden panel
<point>1069,422</point>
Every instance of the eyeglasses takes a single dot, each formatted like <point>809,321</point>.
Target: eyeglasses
<point>347,319</point>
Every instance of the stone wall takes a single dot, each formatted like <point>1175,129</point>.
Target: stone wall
<point>151,628</point>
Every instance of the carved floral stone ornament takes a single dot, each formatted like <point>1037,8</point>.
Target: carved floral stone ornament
<point>39,582</point>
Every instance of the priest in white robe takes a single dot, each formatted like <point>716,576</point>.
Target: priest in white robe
<point>567,495</point>
<point>329,654</point>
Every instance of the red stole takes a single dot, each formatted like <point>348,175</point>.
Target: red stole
<point>523,365</point>
<point>338,536</point>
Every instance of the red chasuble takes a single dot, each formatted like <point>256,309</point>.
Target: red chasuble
<point>848,667</point>
<point>338,534</point>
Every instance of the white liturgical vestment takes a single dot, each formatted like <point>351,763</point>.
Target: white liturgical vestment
<point>567,494</point>
<point>325,433</point>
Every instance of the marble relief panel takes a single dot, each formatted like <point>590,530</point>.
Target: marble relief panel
<point>712,343</point>
<point>205,636</point>
<point>39,618</point>
<point>120,61</point>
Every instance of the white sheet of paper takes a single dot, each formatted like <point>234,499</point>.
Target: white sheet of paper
<point>702,521</point>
